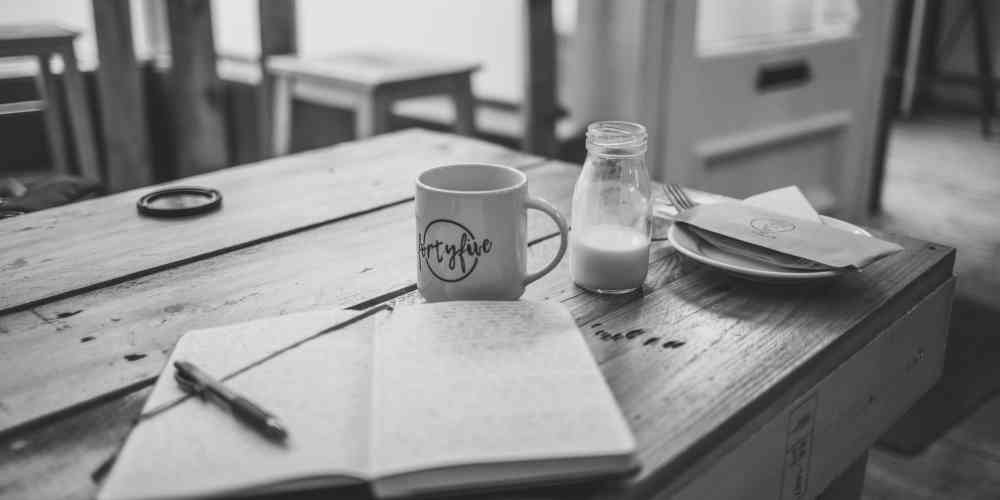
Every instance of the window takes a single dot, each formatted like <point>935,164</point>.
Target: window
<point>730,25</point>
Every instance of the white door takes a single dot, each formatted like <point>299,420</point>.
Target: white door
<point>745,96</point>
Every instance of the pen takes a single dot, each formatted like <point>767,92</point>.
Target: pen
<point>195,380</point>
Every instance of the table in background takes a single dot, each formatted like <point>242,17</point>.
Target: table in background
<point>733,389</point>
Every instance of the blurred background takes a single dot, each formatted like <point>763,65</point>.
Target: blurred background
<point>881,111</point>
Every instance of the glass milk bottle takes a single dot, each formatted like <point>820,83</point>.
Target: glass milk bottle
<point>609,241</point>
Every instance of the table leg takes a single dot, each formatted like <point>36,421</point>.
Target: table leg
<point>465,106</point>
<point>849,484</point>
<point>79,115</point>
<point>281,137</point>
<point>371,115</point>
<point>48,92</point>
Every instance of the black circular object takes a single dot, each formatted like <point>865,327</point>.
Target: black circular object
<point>179,202</point>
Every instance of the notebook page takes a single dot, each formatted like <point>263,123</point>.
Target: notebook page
<point>320,391</point>
<point>459,383</point>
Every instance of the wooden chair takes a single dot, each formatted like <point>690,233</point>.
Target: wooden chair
<point>369,83</point>
<point>925,43</point>
<point>44,42</point>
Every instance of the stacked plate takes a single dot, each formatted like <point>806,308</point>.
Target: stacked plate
<point>691,245</point>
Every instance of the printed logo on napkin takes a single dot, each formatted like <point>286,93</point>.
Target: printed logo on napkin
<point>450,250</point>
<point>768,226</point>
<point>790,236</point>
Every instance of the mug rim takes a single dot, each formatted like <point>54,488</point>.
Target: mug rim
<point>522,180</point>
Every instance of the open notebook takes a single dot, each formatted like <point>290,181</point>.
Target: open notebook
<point>430,398</point>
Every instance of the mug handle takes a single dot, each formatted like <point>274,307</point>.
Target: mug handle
<point>544,206</point>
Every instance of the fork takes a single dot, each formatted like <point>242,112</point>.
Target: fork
<point>678,197</point>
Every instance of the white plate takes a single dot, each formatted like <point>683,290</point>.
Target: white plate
<point>693,247</point>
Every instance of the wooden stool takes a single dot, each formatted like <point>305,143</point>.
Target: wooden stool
<point>538,124</point>
<point>43,42</point>
<point>369,83</point>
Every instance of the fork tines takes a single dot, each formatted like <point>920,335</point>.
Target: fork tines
<point>678,197</point>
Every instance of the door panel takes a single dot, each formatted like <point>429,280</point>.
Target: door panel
<point>806,161</point>
<point>729,101</point>
<point>775,113</point>
<point>750,113</point>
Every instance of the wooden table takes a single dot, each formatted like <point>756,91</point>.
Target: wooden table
<point>749,391</point>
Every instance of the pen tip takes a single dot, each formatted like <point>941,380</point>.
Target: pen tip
<point>275,429</point>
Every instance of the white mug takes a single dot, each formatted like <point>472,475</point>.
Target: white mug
<point>471,225</point>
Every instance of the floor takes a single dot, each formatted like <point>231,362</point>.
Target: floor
<point>943,184</point>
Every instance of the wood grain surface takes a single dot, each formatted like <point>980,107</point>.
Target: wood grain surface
<point>56,461</point>
<point>728,355</point>
<point>698,361</point>
<point>56,252</point>
<point>67,352</point>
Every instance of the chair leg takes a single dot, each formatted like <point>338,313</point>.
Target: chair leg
<point>371,115</point>
<point>281,137</point>
<point>79,115</point>
<point>48,92</point>
<point>465,106</point>
<point>984,61</point>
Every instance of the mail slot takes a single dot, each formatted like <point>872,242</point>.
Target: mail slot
<point>783,75</point>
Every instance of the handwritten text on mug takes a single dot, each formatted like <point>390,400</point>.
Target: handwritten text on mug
<point>450,251</point>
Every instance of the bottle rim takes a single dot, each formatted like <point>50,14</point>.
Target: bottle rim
<point>616,138</point>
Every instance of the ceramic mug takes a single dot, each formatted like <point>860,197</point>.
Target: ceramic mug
<point>471,225</point>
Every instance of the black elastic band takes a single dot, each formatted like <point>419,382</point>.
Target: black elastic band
<point>212,197</point>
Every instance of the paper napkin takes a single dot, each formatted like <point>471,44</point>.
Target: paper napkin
<point>788,200</point>
<point>781,228</point>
